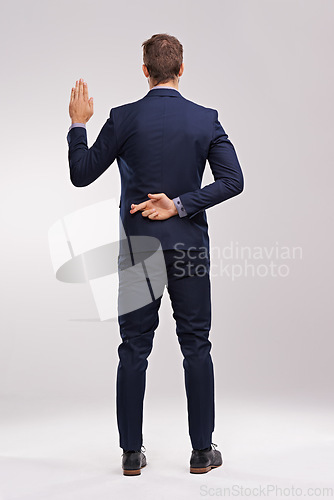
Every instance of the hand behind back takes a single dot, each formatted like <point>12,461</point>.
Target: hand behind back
<point>158,207</point>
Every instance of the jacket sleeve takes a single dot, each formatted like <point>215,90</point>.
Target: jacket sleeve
<point>87,164</point>
<point>226,171</point>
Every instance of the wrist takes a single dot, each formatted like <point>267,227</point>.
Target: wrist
<point>174,209</point>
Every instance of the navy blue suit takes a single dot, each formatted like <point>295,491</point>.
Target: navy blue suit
<point>161,143</point>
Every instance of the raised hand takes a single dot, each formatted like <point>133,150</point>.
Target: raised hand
<point>81,107</point>
<point>158,207</point>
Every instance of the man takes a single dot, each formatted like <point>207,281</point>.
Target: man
<point>161,143</point>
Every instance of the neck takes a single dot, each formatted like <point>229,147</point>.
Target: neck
<point>171,83</point>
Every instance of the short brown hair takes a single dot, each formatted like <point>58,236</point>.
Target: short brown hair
<point>162,55</point>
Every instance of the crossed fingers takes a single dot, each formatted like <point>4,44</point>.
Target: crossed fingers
<point>146,212</point>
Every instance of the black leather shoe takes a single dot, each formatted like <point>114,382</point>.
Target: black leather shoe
<point>203,461</point>
<point>133,461</point>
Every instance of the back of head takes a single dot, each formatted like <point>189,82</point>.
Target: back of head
<point>163,56</point>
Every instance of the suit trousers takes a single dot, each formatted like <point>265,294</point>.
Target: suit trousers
<point>188,285</point>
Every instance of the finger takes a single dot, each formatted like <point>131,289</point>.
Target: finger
<point>154,215</point>
<point>85,90</point>
<point>81,87</point>
<point>76,89</point>
<point>140,206</point>
<point>72,94</point>
<point>156,196</point>
<point>146,213</point>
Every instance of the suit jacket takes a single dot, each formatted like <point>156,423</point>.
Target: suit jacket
<point>161,143</point>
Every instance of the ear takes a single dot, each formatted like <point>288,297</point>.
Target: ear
<point>181,69</point>
<point>146,73</point>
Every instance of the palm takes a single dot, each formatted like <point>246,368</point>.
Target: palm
<point>81,107</point>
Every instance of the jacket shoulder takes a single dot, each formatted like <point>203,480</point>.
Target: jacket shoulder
<point>127,106</point>
<point>200,107</point>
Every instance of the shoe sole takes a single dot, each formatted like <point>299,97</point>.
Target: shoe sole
<point>133,472</point>
<point>202,470</point>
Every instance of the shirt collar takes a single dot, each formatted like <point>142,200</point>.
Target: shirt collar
<point>163,87</point>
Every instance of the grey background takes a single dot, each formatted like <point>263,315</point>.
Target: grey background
<point>266,66</point>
